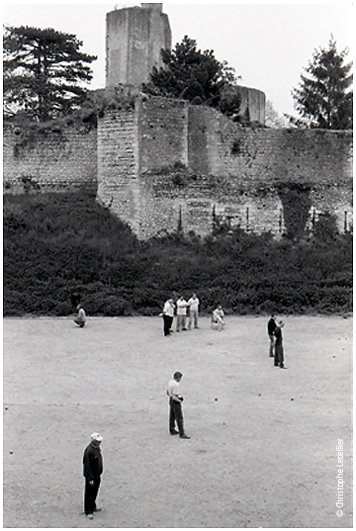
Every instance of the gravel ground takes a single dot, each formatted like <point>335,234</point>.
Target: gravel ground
<point>263,441</point>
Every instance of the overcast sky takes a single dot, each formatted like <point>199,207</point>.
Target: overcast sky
<point>267,44</point>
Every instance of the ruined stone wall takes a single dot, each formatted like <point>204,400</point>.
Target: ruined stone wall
<point>198,203</point>
<point>163,142</point>
<point>290,155</point>
<point>118,165</point>
<point>162,164</point>
<point>258,179</point>
<point>316,161</point>
<point>49,159</point>
<point>136,140</point>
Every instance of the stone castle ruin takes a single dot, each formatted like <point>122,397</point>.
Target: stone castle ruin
<point>163,165</point>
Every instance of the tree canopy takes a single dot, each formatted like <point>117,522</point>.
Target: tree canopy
<point>197,76</point>
<point>44,72</point>
<point>323,96</point>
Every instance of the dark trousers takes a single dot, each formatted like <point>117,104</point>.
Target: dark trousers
<point>278,354</point>
<point>167,324</point>
<point>271,345</point>
<point>90,494</point>
<point>175,416</point>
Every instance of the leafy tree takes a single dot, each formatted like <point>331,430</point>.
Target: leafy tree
<point>43,70</point>
<point>195,76</point>
<point>323,95</point>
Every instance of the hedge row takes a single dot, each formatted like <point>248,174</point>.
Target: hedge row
<point>57,246</point>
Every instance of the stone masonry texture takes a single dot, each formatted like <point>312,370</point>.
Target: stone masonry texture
<point>49,160</point>
<point>195,167</point>
<point>134,39</point>
<point>163,164</point>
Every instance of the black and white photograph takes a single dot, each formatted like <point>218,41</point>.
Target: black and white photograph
<point>177,265</point>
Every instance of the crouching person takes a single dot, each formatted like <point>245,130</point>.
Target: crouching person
<point>80,318</point>
<point>217,319</point>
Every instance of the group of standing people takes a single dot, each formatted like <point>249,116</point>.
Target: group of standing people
<point>276,350</point>
<point>186,313</point>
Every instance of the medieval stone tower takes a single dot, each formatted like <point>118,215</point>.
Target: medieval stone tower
<point>244,176</point>
<point>163,165</point>
<point>134,39</point>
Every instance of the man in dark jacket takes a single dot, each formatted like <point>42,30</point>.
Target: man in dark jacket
<point>271,325</point>
<point>92,470</point>
<point>279,350</point>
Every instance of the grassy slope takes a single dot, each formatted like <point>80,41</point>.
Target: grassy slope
<point>59,244</point>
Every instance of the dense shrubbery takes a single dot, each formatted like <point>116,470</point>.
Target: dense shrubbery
<point>56,245</point>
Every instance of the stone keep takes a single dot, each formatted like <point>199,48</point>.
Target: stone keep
<point>134,39</point>
<point>162,164</point>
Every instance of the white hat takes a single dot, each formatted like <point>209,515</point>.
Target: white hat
<point>96,437</point>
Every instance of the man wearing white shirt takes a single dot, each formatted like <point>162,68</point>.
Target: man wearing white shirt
<point>181,314</point>
<point>217,318</point>
<point>175,405</point>
<point>168,315</point>
<point>193,304</point>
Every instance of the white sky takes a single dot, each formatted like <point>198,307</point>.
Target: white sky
<point>268,45</point>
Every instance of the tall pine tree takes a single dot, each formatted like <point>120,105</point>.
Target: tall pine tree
<point>44,72</point>
<point>323,96</point>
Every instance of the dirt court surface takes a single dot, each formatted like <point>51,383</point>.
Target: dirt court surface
<point>263,441</point>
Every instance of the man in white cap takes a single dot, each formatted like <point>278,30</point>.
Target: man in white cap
<point>92,470</point>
